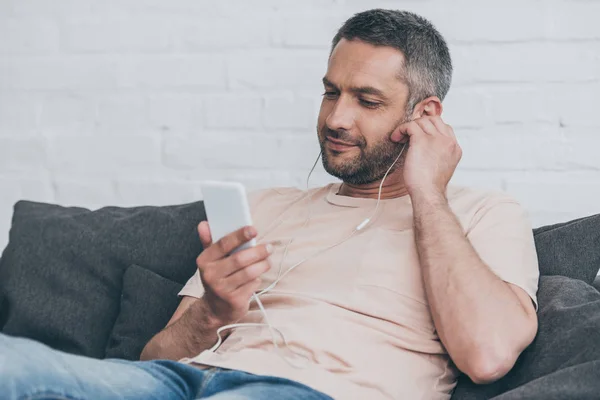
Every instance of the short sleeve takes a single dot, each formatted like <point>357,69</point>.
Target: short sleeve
<point>502,235</point>
<point>193,287</point>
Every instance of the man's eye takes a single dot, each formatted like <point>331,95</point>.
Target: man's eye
<point>369,104</point>
<point>330,95</point>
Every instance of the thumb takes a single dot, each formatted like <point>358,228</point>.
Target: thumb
<point>204,233</point>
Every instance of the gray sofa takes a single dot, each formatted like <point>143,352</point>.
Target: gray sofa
<point>102,283</point>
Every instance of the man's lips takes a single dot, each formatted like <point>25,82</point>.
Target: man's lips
<point>338,145</point>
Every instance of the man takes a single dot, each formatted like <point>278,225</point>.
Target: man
<point>440,279</point>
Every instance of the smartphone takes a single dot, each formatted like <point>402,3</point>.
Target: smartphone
<point>227,209</point>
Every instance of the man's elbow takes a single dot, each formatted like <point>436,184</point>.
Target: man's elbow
<point>147,352</point>
<point>488,368</point>
<point>490,363</point>
<point>152,350</point>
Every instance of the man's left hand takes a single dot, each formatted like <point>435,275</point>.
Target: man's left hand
<point>433,154</point>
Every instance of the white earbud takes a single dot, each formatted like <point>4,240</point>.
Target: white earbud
<point>363,224</point>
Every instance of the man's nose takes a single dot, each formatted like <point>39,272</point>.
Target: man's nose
<point>341,116</point>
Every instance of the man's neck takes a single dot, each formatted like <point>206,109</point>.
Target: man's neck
<point>393,187</point>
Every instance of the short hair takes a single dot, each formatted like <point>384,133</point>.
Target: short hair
<point>427,66</point>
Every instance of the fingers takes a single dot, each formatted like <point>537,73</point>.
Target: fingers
<point>204,233</point>
<point>226,285</point>
<point>443,127</point>
<point>245,275</point>
<point>407,129</point>
<point>427,126</point>
<point>227,274</point>
<point>246,290</point>
<point>228,243</point>
<point>241,296</point>
<point>243,259</point>
<point>424,125</point>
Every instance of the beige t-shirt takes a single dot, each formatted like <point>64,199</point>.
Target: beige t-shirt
<point>359,311</point>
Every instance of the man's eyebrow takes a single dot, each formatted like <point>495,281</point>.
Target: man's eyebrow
<point>358,90</point>
<point>327,82</point>
<point>369,90</point>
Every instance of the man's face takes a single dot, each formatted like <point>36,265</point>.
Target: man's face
<point>364,101</point>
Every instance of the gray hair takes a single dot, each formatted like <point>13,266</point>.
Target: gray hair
<point>428,67</point>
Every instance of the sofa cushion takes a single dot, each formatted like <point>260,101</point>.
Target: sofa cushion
<point>563,356</point>
<point>61,275</point>
<point>570,248</point>
<point>147,303</point>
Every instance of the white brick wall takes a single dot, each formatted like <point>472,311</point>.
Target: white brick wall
<point>132,102</point>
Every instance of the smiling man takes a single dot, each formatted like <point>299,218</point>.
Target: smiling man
<point>386,285</point>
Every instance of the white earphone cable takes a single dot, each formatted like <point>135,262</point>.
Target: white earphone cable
<point>256,295</point>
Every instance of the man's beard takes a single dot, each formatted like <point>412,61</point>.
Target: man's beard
<point>369,166</point>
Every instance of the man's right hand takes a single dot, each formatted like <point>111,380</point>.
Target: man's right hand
<point>230,280</point>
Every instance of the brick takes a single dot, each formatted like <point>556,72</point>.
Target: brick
<point>122,114</point>
<point>573,20</point>
<point>173,71</point>
<point>318,178</point>
<point>577,105</point>
<point>44,8</point>
<point>311,30</point>
<point>222,150</point>
<point>507,21</point>
<point>67,113</point>
<point>22,154</point>
<point>567,192</point>
<point>232,32</point>
<point>135,192</point>
<point>57,73</point>
<point>19,114</point>
<point>175,113</point>
<point>252,180</point>
<point>91,193</point>
<point>24,186</point>
<point>281,6</point>
<point>351,7</point>
<point>28,36</point>
<point>108,155</point>
<point>298,151</point>
<point>525,104</point>
<point>582,148</point>
<point>281,69</point>
<point>527,62</point>
<point>513,147</point>
<point>233,111</point>
<point>124,34</point>
<point>182,153</point>
<point>465,108</point>
<point>156,7</point>
<point>291,111</point>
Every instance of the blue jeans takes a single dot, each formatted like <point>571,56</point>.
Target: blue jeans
<point>31,370</point>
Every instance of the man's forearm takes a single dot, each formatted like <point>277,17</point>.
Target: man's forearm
<point>477,315</point>
<point>194,332</point>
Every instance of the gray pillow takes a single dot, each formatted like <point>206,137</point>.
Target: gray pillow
<point>61,274</point>
<point>570,249</point>
<point>564,359</point>
<point>147,303</point>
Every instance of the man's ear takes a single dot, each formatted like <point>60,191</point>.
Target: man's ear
<point>430,107</point>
